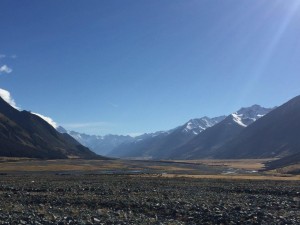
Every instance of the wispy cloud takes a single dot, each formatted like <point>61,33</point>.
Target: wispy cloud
<point>86,125</point>
<point>92,128</point>
<point>5,69</point>
<point>47,119</point>
<point>2,56</point>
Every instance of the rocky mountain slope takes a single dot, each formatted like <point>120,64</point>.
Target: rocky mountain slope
<point>275,135</point>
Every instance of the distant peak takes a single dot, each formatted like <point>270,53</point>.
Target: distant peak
<point>247,115</point>
<point>253,107</point>
<point>197,125</point>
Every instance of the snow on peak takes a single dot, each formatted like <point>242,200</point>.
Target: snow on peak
<point>247,115</point>
<point>196,126</point>
<point>238,120</point>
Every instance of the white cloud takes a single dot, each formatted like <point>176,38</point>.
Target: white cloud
<point>47,119</point>
<point>5,69</point>
<point>7,97</point>
<point>2,56</point>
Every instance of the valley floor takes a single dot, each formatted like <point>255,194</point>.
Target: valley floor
<point>227,169</point>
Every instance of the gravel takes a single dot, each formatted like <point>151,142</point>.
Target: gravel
<point>122,199</point>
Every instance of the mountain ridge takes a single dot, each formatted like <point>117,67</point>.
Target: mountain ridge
<point>161,145</point>
<point>278,130</point>
<point>23,134</point>
<point>200,143</point>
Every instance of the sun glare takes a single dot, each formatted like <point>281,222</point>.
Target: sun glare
<point>291,11</point>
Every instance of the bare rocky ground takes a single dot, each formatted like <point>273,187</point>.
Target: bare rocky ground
<point>123,199</point>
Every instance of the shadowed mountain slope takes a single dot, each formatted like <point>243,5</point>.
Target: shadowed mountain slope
<point>23,134</point>
<point>275,135</point>
<point>284,162</point>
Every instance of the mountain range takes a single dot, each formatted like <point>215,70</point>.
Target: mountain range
<point>115,145</point>
<point>197,138</point>
<point>161,144</point>
<point>251,132</point>
<point>275,135</point>
<point>102,145</point>
<point>23,134</point>
<point>206,144</point>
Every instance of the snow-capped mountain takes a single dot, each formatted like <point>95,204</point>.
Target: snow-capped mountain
<point>99,144</point>
<point>159,144</point>
<point>205,144</point>
<point>190,128</point>
<point>274,135</point>
<point>150,135</point>
<point>196,126</point>
<point>163,144</point>
<point>246,116</point>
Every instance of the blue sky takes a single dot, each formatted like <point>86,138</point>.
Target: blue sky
<point>125,67</point>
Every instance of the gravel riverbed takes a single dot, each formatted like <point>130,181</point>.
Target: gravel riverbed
<point>122,199</point>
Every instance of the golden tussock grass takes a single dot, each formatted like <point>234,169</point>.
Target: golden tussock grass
<point>247,164</point>
<point>235,177</point>
<point>169,168</point>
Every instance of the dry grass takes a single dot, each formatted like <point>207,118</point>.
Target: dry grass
<point>60,165</point>
<point>247,164</point>
<point>31,168</point>
<point>170,168</point>
<point>289,169</point>
<point>14,159</point>
<point>194,169</point>
<point>237,177</point>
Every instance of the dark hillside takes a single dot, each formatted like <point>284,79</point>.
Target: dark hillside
<point>23,134</point>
